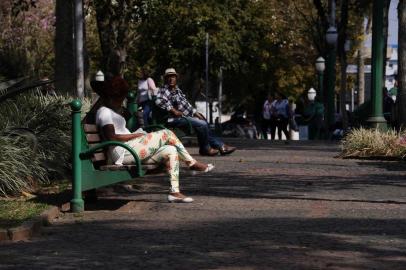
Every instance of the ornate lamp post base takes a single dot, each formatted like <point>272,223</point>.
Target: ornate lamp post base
<point>378,122</point>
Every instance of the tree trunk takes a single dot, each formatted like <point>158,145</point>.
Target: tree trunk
<point>361,65</point>
<point>343,91</point>
<point>402,64</point>
<point>65,79</point>
<point>385,35</point>
<point>361,76</point>
<point>343,61</point>
<point>113,23</point>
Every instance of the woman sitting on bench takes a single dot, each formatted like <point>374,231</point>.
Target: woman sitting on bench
<point>156,147</point>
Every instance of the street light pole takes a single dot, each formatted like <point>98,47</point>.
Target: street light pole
<point>331,37</point>
<point>376,119</point>
<point>321,78</point>
<point>207,75</point>
<point>220,93</point>
<point>79,49</point>
<point>320,67</point>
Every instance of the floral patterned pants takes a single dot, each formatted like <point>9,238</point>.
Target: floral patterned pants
<point>161,146</point>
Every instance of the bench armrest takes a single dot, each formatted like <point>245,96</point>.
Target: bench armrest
<point>89,152</point>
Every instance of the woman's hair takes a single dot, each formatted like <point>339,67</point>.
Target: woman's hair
<point>117,87</point>
<point>145,71</point>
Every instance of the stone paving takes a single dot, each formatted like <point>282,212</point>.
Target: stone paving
<point>268,206</point>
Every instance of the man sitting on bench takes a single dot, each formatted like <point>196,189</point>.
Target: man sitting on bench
<point>172,99</point>
<point>156,147</point>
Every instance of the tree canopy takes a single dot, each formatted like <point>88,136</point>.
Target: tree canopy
<point>261,45</point>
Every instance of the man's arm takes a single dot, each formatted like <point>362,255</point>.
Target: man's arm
<point>186,108</point>
<point>162,100</point>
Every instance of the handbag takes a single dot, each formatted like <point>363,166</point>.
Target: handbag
<point>293,125</point>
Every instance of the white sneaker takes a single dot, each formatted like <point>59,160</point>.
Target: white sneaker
<point>174,199</point>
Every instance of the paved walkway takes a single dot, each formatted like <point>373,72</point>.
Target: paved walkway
<point>268,206</point>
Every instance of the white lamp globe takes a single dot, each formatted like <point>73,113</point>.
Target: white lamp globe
<point>331,36</point>
<point>311,94</point>
<point>320,64</point>
<point>99,76</point>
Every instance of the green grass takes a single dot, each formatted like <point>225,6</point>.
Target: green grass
<point>58,186</point>
<point>15,212</point>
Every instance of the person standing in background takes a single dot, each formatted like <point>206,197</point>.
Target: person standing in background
<point>281,114</point>
<point>267,121</point>
<point>146,93</point>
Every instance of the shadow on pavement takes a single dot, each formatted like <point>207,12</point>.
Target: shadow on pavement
<point>265,186</point>
<point>256,243</point>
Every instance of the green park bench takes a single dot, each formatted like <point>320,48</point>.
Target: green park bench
<point>89,162</point>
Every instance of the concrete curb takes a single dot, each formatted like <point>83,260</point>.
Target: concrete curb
<point>31,227</point>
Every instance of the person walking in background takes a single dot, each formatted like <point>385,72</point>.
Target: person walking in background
<point>267,120</point>
<point>387,106</point>
<point>281,114</point>
<point>146,93</point>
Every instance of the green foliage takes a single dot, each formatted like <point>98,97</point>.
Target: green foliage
<point>20,169</point>
<point>48,117</point>
<point>253,41</point>
<point>373,143</point>
<point>26,42</point>
<point>263,46</point>
<point>19,6</point>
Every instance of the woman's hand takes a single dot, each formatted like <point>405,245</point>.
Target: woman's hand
<point>110,134</point>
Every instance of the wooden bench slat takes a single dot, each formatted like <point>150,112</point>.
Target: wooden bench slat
<point>127,167</point>
<point>93,138</point>
<point>94,144</point>
<point>90,128</point>
<point>99,157</point>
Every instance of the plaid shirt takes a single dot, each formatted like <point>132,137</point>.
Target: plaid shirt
<point>168,99</point>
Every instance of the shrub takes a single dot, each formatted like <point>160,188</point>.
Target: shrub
<point>47,118</point>
<point>19,166</point>
<point>373,143</point>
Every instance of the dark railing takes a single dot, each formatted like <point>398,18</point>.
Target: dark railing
<point>22,87</point>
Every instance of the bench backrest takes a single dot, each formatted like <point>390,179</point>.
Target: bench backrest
<point>93,138</point>
<point>90,172</point>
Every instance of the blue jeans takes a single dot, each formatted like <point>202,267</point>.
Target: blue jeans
<point>146,107</point>
<point>204,135</point>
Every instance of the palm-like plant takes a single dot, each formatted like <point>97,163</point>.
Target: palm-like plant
<point>35,137</point>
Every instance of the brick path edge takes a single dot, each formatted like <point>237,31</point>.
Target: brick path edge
<point>30,227</point>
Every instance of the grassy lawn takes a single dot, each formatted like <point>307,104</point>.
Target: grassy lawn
<point>14,212</point>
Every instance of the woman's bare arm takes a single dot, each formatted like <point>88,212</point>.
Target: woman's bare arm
<point>110,134</point>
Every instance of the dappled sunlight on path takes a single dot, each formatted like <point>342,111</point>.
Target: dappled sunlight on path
<point>268,206</point>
